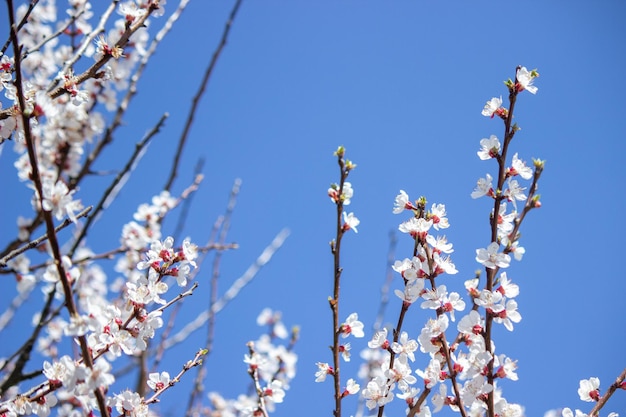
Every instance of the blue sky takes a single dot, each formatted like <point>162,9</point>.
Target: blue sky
<point>401,86</point>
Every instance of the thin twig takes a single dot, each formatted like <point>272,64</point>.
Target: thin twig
<point>384,290</point>
<point>232,201</point>
<point>118,181</point>
<point>24,20</point>
<point>91,72</point>
<point>198,96</point>
<point>253,371</point>
<point>225,227</point>
<point>609,392</point>
<point>34,243</point>
<point>23,353</point>
<point>232,292</point>
<point>335,247</point>
<point>125,102</point>
<point>60,31</point>
<point>197,360</point>
<point>184,210</point>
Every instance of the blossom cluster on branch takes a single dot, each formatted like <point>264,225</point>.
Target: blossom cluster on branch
<point>464,370</point>
<point>67,77</point>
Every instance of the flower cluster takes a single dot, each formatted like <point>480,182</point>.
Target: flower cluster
<point>391,372</point>
<point>463,372</point>
<point>57,97</point>
<point>271,365</point>
<point>63,95</point>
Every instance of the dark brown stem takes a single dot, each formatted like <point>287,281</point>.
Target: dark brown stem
<point>609,392</point>
<point>222,225</point>
<point>337,270</point>
<point>24,20</point>
<point>47,215</point>
<point>198,96</point>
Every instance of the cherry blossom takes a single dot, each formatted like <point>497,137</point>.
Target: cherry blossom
<point>441,398</point>
<point>505,409</point>
<point>44,403</point>
<point>352,387</point>
<point>429,336</point>
<point>148,290</point>
<point>377,393</point>
<point>505,221</point>
<point>105,47</point>
<point>507,288</point>
<point>434,298</point>
<point>443,264</point>
<point>491,258</point>
<point>352,326</point>
<point>432,374</point>
<point>159,252</point>
<point>80,325</point>
<point>130,404</point>
<point>474,388</point>
<point>408,268</point>
<point>491,301</point>
<point>189,252</point>
<point>483,187</point>
<point>439,244</point>
<point>505,367</point>
<point>130,11</point>
<point>61,371</point>
<point>20,406</point>
<point>514,192</point>
<point>379,340</point>
<point>405,348</point>
<point>323,370</point>
<point>492,107</point>
<point>438,216</point>
<point>181,273</point>
<point>589,389</point>
<point>412,291</point>
<point>525,80</point>
<point>471,324</point>
<point>402,203</point>
<point>57,198</point>
<point>347,192</point>
<point>518,251</point>
<point>145,329</point>
<point>518,167</point>
<point>350,222</point>
<point>96,377</point>
<point>568,413</point>
<point>416,227</point>
<point>345,351</point>
<point>274,392</point>
<point>508,315</point>
<point>401,374</point>
<point>113,338</point>
<point>490,148</point>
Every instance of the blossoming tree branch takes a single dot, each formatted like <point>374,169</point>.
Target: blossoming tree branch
<point>463,369</point>
<point>93,329</point>
<point>98,337</point>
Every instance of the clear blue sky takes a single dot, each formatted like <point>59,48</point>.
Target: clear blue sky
<point>401,86</point>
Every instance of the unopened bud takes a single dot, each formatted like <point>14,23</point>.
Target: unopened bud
<point>340,152</point>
